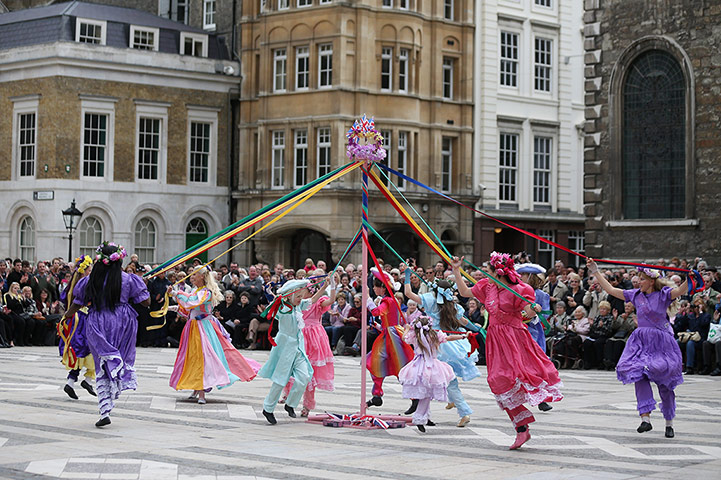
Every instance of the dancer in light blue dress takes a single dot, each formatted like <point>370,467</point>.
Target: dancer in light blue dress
<point>448,316</point>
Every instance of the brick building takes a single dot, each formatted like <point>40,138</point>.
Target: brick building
<point>653,99</point>
<point>310,67</point>
<point>127,113</point>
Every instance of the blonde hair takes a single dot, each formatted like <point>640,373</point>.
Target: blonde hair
<point>660,282</point>
<point>211,284</point>
<point>604,303</point>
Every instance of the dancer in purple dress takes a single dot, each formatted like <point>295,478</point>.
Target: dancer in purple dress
<point>651,353</point>
<point>111,324</point>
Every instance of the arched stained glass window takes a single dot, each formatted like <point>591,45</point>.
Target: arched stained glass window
<point>654,137</point>
<point>90,233</point>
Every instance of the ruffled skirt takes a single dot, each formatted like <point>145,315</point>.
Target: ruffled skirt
<point>206,358</point>
<point>651,353</point>
<point>426,378</point>
<point>389,353</point>
<point>317,347</point>
<point>518,370</point>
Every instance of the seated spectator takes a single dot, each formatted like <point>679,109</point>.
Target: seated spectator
<point>690,340</point>
<point>712,351</point>
<point>575,294</point>
<point>352,324</point>
<point>338,317</point>
<point>601,330</point>
<point>568,349</point>
<point>50,311</point>
<point>623,325</point>
<point>308,267</point>
<point>412,311</point>
<point>557,325</point>
<point>33,317</point>
<point>227,312</point>
<point>300,274</point>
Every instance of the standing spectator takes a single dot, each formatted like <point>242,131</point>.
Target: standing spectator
<point>574,297</point>
<point>555,288</point>
<point>712,351</point>
<point>623,325</point>
<point>698,322</point>
<point>593,297</point>
<point>46,281</point>
<point>253,285</point>
<point>16,274</point>
<point>338,318</point>
<point>4,285</point>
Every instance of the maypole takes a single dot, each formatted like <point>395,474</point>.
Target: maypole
<point>364,301</point>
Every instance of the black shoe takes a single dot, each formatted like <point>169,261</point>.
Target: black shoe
<point>291,412</point>
<point>716,372</point>
<point>669,432</point>
<point>544,407</point>
<point>705,371</point>
<point>70,391</point>
<point>644,427</point>
<point>412,408</point>
<point>421,428</point>
<point>431,423</point>
<point>270,417</point>
<point>690,371</point>
<point>102,422</point>
<point>88,387</point>
<point>376,401</point>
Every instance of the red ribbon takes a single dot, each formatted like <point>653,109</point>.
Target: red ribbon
<point>471,339</point>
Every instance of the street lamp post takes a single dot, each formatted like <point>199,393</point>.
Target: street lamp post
<point>70,218</point>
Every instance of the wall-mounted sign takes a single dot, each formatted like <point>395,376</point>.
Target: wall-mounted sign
<point>44,195</point>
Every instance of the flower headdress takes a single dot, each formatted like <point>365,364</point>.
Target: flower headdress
<point>82,263</point>
<point>118,254</point>
<point>503,265</point>
<point>364,141</point>
<point>650,272</point>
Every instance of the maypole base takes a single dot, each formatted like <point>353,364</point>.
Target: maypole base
<point>362,422</point>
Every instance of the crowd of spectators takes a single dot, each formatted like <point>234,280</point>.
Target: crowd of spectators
<point>586,328</point>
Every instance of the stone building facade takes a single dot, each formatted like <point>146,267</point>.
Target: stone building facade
<point>125,112</point>
<point>653,98</point>
<point>310,67</point>
<point>528,167</point>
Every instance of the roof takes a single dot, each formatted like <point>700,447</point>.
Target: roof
<point>51,23</point>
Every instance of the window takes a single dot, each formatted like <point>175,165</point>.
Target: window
<point>577,241</point>
<point>542,170</point>
<point>446,163</point>
<point>90,235</point>
<point>448,77</point>
<point>90,31</point>
<point>148,148</point>
<point>305,3</point>
<point>403,4</point>
<point>24,135</point>
<point>543,3</point>
<point>209,14</point>
<point>95,142</point>
<point>278,160</point>
<point>545,251</point>
<point>386,68</point>
<point>403,70</point>
<point>145,240</point>
<point>97,117</point>
<point>302,68</point>
<point>401,165</point>
<point>301,157</point>
<point>283,4</point>
<point>196,225</point>
<point>199,151</point>
<point>279,70</point>
<point>323,2</point>
<point>448,12</point>
<point>509,59</point>
<point>508,164</point>
<point>143,38</point>
<point>27,239</point>
<point>193,44</point>
<point>179,10</point>
<point>386,144</point>
<point>653,166</point>
<point>323,154</point>
<point>542,65</point>
<point>325,65</point>
<point>387,3</point>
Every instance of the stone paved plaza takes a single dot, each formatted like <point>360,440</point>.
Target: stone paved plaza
<point>157,434</point>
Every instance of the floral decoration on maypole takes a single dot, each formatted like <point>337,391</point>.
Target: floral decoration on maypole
<point>364,141</point>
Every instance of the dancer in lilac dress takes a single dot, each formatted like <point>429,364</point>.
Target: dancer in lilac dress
<point>111,325</point>
<point>651,353</point>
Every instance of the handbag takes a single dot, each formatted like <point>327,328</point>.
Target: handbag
<point>684,337</point>
<point>621,334</point>
<point>714,333</point>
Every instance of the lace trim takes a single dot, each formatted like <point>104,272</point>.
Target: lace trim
<point>522,393</point>
<point>109,388</point>
<point>522,416</point>
<point>323,362</point>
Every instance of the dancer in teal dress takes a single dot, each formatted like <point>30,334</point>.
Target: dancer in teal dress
<point>287,357</point>
<point>448,316</point>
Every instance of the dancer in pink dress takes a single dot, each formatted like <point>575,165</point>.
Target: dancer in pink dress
<point>317,347</point>
<point>518,370</point>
